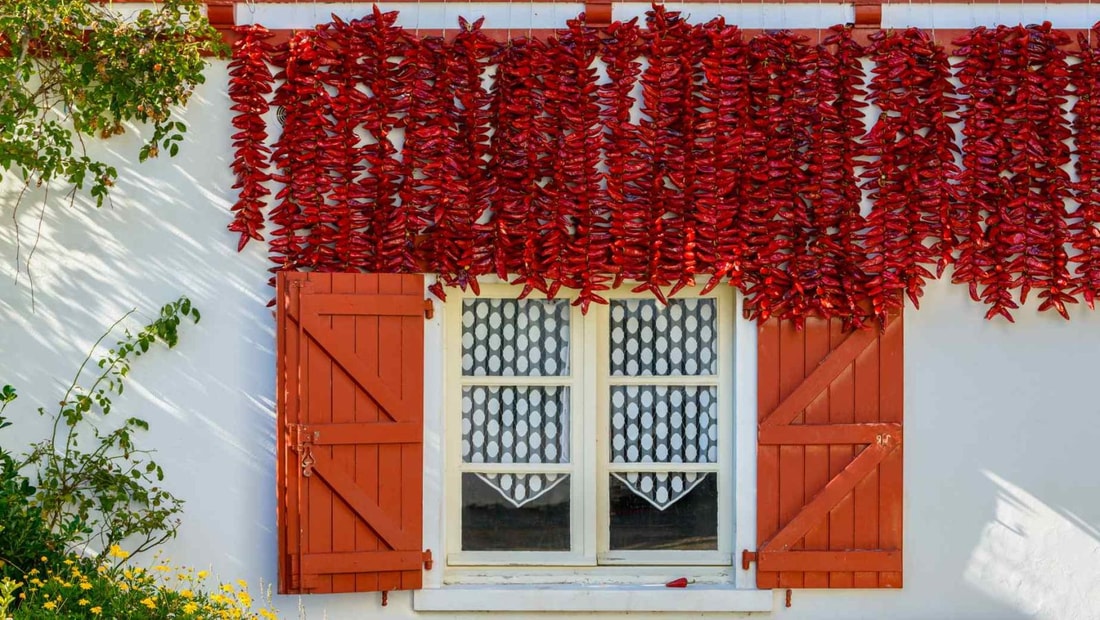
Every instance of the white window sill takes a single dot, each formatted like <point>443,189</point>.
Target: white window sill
<point>573,598</point>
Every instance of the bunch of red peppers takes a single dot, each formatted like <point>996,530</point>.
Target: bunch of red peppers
<point>667,154</point>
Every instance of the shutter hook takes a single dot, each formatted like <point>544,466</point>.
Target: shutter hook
<point>788,597</point>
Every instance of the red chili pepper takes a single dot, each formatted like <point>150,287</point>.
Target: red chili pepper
<point>681,582</point>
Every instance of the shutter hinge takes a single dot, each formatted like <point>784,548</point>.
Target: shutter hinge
<point>747,557</point>
<point>428,559</point>
<point>788,597</point>
<point>429,309</point>
<point>386,598</point>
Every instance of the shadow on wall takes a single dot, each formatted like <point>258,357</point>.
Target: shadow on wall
<point>1032,549</point>
<point>162,235</point>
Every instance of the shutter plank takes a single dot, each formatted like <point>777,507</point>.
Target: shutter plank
<point>391,371</point>
<point>367,410</point>
<point>412,455</point>
<point>831,560</point>
<point>343,456</point>
<point>892,395</point>
<point>866,499</point>
<point>841,411</point>
<point>318,372</point>
<point>817,455</point>
<point>792,463</point>
<point>767,469</point>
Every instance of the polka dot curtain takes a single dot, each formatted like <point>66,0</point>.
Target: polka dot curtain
<point>663,423</point>
<point>516,423</point>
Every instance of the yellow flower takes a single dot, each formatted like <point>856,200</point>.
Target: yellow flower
<point>242,583</point>
<point>118,552</point>
<point>149,602</point>
<point>96,610</point>
<point>162,568</point>
<point>226,587</point>
<point>124,586</point>
<point>68,562</point>
<point>102,568</point>
<point>45,559</point>
<point>49,605</point>
<point>187,594</point>
<point>34,571</point>
<point>202,574</point>
<point>38,582</point>
<point>267,614</point>
<point>84,585</point>
<point>127,573</point>
<point>190,608</point>
<point>82,602</point>
<point>245,599</point>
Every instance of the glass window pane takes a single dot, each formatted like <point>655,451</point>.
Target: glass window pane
<point>514,512</point>
<point>515,424</point>
<point>664,424</point>
<point>648,338</point>
<point>515,337</point>
<point>659,511</point>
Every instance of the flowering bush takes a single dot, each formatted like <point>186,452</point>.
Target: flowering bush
<point>82,588</point>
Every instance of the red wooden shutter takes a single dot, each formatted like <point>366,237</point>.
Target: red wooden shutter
<point>350,432</point>
<point>829,477</point>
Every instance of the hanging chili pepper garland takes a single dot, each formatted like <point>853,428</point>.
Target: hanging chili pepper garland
<point>911,164</point>
<point>720,132</point>
<point>516,147</point>
<point>250,84</point>
<point>740,166</point>
<point>1085,232</point>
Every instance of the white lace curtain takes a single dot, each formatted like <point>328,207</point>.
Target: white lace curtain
<point>648,423</point>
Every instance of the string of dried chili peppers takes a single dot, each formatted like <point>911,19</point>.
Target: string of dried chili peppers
<point>250,84</point>
<point>298,238</point>
<point>983,191</point>
<point>834,282</point>
<point>1085,233</point>
<point>392,224</point>
<point>912,149</point>
<point>620,53</point>
<point>784,103</point>
<point>516,147</point>
<point>720,133</point>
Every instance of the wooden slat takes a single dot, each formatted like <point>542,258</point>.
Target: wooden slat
<point>830,560</point>
<point>360,562</point>
<point>767,468</point>
<point>792,462</point>
<point>369,468</point>
<point>393,370</point>
<point>373,305</point>
<point>364,433</point>
<point>342,413</point>
<point>841,411</point>
<point>825,434</point>
<point>316,388</point>
<point>820,378</point>
<point>817,454</point>
<point>412,455</point>
<point>856,471</point>
<point>865,495</point>
<point>892,402</point>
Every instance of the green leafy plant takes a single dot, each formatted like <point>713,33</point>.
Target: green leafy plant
<point>73,67</point>
<point>93,493</point>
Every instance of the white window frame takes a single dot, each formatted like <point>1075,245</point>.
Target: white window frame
<point>589,467</point>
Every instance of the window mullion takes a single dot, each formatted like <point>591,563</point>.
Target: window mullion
<point>591,438</point>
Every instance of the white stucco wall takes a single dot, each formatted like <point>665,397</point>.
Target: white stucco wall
<point>1002,513</point>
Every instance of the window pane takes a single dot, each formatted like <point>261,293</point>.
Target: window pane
<point>515,424</point>
<point>660,511</point>
<point>648,338</point>
<point>513,512</point>
<point>664,424</point>
<point>515,337</point>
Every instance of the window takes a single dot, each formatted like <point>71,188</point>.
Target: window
<point>586,440</point>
